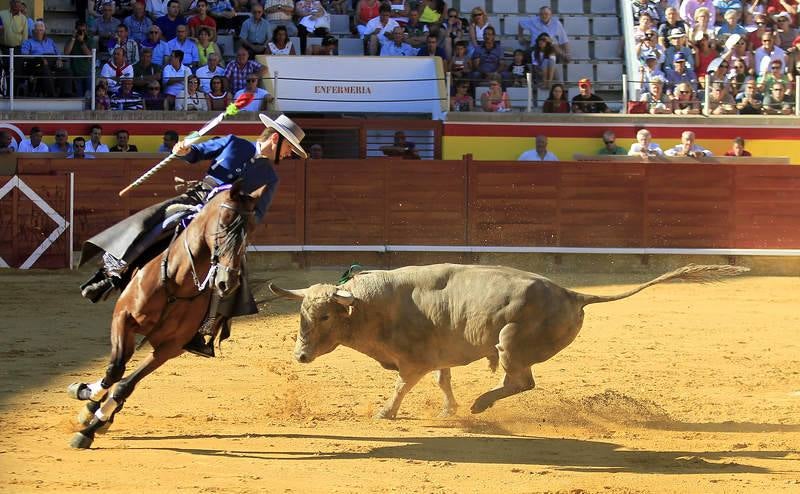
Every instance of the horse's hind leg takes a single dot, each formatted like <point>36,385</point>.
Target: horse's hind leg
<point>105,414</point>
<point>122,348</point>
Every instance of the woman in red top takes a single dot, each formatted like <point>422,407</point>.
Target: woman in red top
<point>703,55</point>
<point>557,101</point>
<point>366,10</point>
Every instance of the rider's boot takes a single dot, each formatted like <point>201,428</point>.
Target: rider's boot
<point>105,280</point>
<point>203,341</point>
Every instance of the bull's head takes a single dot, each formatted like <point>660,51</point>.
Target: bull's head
<point>324,318</point>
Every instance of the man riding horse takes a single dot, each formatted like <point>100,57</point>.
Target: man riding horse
<point>135,240</point>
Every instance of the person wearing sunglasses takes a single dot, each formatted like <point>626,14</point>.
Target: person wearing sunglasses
<point>158,46</point>
<point>261,97</point>
<point>610,146</point>
<point>769,53</point>
<point>546,23</point>
<point>784,32</point>
<point>775,74</point>
<point>777,102</point>
<point>79,150</point>
<point>684,101</point>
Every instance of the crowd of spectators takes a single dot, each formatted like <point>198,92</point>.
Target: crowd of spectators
<point>744,56</point>
<point>80,147</point>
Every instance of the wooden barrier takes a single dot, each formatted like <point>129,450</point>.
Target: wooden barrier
<point>471,203</point>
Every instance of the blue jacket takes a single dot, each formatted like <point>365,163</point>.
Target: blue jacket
<point>234,158</point>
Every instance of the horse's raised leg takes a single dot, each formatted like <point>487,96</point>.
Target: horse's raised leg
<point>122,348</point>
<point>122,391</point>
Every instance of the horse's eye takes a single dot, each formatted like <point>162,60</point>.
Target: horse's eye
<point>324,318</point>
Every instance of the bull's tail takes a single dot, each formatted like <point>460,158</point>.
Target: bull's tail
<point>692,272</point>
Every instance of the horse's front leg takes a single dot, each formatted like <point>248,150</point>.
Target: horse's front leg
<point>105,414</point>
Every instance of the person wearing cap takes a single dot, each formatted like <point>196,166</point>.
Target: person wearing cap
<point>680,73</point>
<point>650,70</point>
<point>672,21</point>
<point>688,147</point>
<point>232,158</point>
<point>677,44</point>
<point>786,34</point>
<point>586,101</point>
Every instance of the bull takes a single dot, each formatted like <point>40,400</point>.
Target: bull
<point>421,319</point>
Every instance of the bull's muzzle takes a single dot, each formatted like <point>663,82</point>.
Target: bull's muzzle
<point>303,356</point>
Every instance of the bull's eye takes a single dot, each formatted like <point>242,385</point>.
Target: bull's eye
<point>324,318</point>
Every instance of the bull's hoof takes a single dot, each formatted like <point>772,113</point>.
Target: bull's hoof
<point>74,390</point>
<point>481,405</point>
<point>80,441</point>
<point>447,412</point>
<point>386,414</point>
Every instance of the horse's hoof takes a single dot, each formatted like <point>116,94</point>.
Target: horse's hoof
<point>86,414</point>
<point>80,441</point>
<point>74,389</point>
<point>104,428</point>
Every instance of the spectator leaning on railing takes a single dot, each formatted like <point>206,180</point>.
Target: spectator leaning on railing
<point>656,100</point>
<point>688,147</point>
<point>737,148</point>
<point>193,99</point>
<point>684,101</point>
<point>644,147</point>
<point>777,102</point>
<point>557,101</point>
<point>94,145</point>
<point>540,153</point>
<point>610,145</point>
<point>749,101</point>
<point>261,98</point>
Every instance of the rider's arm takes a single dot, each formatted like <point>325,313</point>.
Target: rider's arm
<point>202,151</point>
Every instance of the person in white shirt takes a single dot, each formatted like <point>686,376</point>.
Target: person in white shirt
<point>540,153</point>
<point>767,53</point>
<point>261,96</point>
<point>688,148</point>
<point>377,29</point>
<point>172,76</point>
<point>644,147</point>
<point>93,145</point>
<point>34,144</point>
<point>546,23</point>
<point>156,8</point>
<point>207,72</point>
<point>398,47</point>
<point>187,46</point>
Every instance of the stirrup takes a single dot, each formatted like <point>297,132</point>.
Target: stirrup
<point>198,346</point>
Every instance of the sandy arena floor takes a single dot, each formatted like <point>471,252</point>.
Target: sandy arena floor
<point>682,388</point>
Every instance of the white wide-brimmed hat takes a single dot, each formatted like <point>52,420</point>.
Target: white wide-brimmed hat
<point>286,127</point>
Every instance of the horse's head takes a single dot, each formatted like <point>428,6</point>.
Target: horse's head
<point>227,237</point>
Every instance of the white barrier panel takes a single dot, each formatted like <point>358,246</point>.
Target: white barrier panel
<point>357,84</point>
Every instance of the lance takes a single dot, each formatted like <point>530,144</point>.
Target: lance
<point>232,109</point>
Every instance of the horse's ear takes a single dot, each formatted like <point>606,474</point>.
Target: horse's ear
<point>256,194</point>
<point>236,188</point>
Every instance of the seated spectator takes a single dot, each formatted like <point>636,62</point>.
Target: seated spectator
<point>123,145</point>
<point>432,49</point>
<point>105,26</point>
<point>138,23</point>
<point>78,151</point>
<point>767,54</point>
<point>123,8</point>
<point>313,20</point>
<point>81,68</point>
<point>315,152</point>
<point>456,30</point>
<point>754,38</point>
<point>193,99</point>
<point>777,102</point>
<point>255,31</point>
<point>121,40</point>
<point>677,44</point>
<point>723,6</point>
<point>205,46</point>
<point>329,46</point>
<point>280,43</point>
<point>684,101</point>
<point>116,68</point>
<point>649,7</point>
<point>460,65</point>
<point>488,59</point>
<point>645,26</point>
<point>173,76</point>
<point>94,145</point>
<point>377,30</point>
<point>496,98</point>
<point>543,61</point>
<point>6,143</point>
<point>657,102</point>
<point>61,144</point>
<point>680,74</point>
<point>218,97</point>
<point>156,8</point>
<point>399,145</point>
<point>101,100</point>
<point>610,145</point>
<point>720,102</point>
<point>157,45</point>
<point>34,143</point>
<point>280,13</point>
<point>557,101</point>
<point>399,10</point>
<point>170,139</point>
<point>169,23</point>
<point>182,43</point>
<point>775,74</point>
<point>261,98</point>
<point>731,27</point>
<point>785,34</point>
<point>546,23</point>
<point>207,72</point>
<point>737,148</point>
<point>416,32</point>
<point>738,52</point>
<point>586,101</point>
<point>704,54</point>
<point>145,71</point>
<point>338,7</point>
<point>737,76</point>
<point>650,71</point>
<point>644,146</point>
<point>154,98</point>
<point>749,101</point>
<point>672,21</point>
<point>519,70</point>
<point>689,8</point>
<point>366,10</point>
<point>126,98</point>
<point>794,74</point>
<point>223,13</point>
<point>649,47</point>
<point>717,72</point>
<point>540,153</point>
<point>462,101</point>
<point>688,148</point>
<point>238,70</point>
<point>47,69</point>
<point>398,47</point>
<point>202,20</point>
<point>479,21</point>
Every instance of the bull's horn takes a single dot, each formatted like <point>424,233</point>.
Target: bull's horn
<point>344,297</point>
<point>282,292</point>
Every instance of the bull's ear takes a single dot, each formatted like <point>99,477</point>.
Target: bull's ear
<point>282,292</point>
<point>344,297</point>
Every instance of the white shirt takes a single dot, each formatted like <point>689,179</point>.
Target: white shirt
<point>375,23</point>
<point>205,76</point>
<point>652,148</point>
<point>553,28</point>
<point>101,148</point>
<point>169,72</point>
<point>156,8</point>
<point>532,155</point>
<point>110,73</point>
<point>763,59</point>
<point>26,147</point>
<point>254,105</point>
<point>678,150</point>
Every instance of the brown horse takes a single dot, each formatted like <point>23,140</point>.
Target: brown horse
<point>167,301</point>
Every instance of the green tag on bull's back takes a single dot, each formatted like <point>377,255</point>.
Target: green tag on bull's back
<point>348,275</point>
